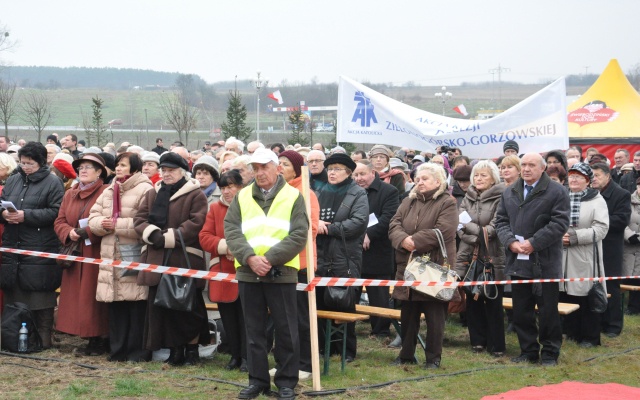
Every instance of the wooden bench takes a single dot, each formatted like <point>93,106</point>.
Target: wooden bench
<point>391,313</point>
<point>211,306</point>
<point>629,288</point>
<point>341,320</point>
<point>563,308</point>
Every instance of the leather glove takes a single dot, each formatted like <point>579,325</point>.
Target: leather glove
<point>157,240</point>
<point>634,239</point>
<point>82,232</point>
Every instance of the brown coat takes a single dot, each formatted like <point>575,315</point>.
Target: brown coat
<point>111,287</point>
<point>417,216</point>
<point>78,311</point>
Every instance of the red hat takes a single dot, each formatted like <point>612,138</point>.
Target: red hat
<point>296,160</point>
<point>63,162</point>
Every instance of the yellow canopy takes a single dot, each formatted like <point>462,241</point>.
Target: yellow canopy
<point>609,110</point>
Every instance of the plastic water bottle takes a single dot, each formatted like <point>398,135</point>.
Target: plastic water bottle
<point>23,338</point>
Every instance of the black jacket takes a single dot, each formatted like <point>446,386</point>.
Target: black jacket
<point>543,218</point>
<point>383,202</point>
<point>351,219</point>
<point>628,181</point>
<point>159,150</point>
<point>39,195</point>
<point>619,205</point>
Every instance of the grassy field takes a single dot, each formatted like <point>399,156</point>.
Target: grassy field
<point>59,374</point>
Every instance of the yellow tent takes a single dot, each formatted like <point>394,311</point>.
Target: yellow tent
<point>608,113</point>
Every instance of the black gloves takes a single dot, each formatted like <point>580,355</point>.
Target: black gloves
<point>634,239</point>
<point>157,239</point>
<point>82,232</point>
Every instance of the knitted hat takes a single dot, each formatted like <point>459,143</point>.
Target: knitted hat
<point>395,162</point>
<point>151,156</point>
<point>207,160</point>
<point>511,145</point>
<point>95,159</point>
<point>296,160</point>
<point>340,158</point>
<point>380,149</point>
<point>583,169</point>
<point>62,162</point>
<point>462,173</point>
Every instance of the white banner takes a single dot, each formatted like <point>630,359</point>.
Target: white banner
<point>538,123</point>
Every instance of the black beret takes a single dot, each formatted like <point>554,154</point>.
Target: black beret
<point>340,158</point>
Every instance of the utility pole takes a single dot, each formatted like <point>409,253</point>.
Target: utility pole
<point>499,71</point>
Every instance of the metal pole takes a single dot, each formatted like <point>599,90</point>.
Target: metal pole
<point>258,114</point>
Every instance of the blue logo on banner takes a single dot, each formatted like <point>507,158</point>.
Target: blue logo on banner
<point>364,110</point>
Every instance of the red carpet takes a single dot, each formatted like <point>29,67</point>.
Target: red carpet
<point>571,390</point>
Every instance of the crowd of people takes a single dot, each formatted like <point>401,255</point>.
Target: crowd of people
<point>238,208</point>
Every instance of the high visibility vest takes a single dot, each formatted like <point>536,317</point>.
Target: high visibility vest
<point>265,231</point>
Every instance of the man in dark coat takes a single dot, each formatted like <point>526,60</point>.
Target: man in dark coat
<point>159,149</point>
<point>619,205</point>
<point>377,255</point>
<point>536,209</point>
<point>628,181</point>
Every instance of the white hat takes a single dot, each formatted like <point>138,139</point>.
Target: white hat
<point>264,156</point>
<point>395,162</point>
<point>13,148</point>
<point>208,160</point>
<point>151,156</point>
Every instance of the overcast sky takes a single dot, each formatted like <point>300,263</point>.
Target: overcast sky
<point>429,42</point>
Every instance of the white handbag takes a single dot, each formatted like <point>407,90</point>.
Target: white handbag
<point>424,270</point>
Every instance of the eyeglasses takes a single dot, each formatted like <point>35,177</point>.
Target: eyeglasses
<point>86,168</point>
<point>28,164</point>
<point>315,161</point>
<point>335,169</point>
<point>576,177</point>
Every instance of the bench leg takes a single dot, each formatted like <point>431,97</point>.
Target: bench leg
<point>343,328</point>
<point>327,346</point>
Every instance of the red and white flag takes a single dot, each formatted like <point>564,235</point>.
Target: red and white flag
<point>276,96</point>
<point>461,109</point>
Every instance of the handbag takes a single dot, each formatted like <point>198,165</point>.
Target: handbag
<point>341,298</point>
<point>71,249</point>
<point>424,270</point>
<point>176,292</point>
<point>128,252</point>
<point>481,270</point>
<point>597,295</point>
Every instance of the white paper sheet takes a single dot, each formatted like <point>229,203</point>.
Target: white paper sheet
<point>372,220</point>
<point>520,255</point>
<point>83,223</point>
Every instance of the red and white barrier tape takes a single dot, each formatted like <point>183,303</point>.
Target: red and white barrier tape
<point>318,281</point>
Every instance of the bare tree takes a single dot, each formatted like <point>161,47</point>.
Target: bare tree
<point>634,76</point>
<point>179,114</point>
<point>38,111</point>
<point>7,104</point>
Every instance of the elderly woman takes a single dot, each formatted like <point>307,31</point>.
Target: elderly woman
<point>343,222</point>
<point>205,170</point>
<point>380,156</point>
<point>213,241</point>
<point>7,166</point>
<point>79,313</point>
<point>176,208</point>
<point>52,151</point>
<point>631,258</point>
<point>510,169</point>
<point>36,195</point>
<point>411,231</point>
<point>485,317</point>
<point>112,219</point>
<point>589,224</point>
<point>151,166</point>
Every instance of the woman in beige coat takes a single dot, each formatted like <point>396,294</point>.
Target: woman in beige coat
<point>411,230</point>
<point>631,260</point>
<point>112,218</point>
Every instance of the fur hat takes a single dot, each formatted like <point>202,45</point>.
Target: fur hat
<point>296,160</point>
<point>340,158</point>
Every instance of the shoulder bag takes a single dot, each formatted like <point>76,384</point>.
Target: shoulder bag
<point>176,292</point>
<point>341,298</point>
<point>597,294</point>
<point>424,270</point>
<point>481,269</point>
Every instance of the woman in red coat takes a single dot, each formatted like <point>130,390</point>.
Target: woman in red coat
<point>225,293</point>
<point>78,311</point>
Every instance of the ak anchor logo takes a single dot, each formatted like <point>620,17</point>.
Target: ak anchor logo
<point>364,110</point>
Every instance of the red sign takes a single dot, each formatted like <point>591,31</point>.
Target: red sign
<point>595,111</point>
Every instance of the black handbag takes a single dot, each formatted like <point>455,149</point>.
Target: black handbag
<point>176,292</point>
<point>481,270</point>
<point>340,298</point>
<point>597,295</point>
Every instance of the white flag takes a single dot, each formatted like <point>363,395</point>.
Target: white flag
<point>276,96</point>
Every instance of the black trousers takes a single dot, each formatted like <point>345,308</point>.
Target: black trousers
<point>547,333</point>
<point>126,331</point>
<point>378,297</point>
<point>336,346</point>
<point>634,297</point>
<point>304,332</point>
<point>613,318</point>
<point>485,321</point>
<point>280,299</point>
<point>235,332</point>
<point>435,313</point>
<point>582,325</point>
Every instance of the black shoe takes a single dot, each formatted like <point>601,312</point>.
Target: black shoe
<point>349,359</point>
<point>525,358</point>
<point>477,349</point>
<point>243,366</point>
<point>548,362</point>
<point>286,393</point>
<point>402,361</point>
<point>234,363</point>
<point>611,334</point>
<point>254,391</point>
<point>586,345</point>
<point>192,355</point>
<point>432,365</point>
<point>176,357</point>
<point>95,347</point>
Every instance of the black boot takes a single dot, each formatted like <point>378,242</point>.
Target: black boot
<point>95,347</point>
<point>192,356</point>
<point>234,363</point>
<point>176,356</point>
<point>44,321</point>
